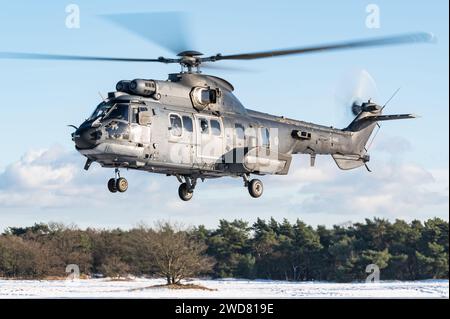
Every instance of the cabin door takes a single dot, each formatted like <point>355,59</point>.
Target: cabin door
<point>210,140</point>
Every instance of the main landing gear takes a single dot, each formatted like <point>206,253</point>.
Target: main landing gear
<point>255,186</point>
<point>186,189</point>
<point>117,184</point>
<point>187,185</point>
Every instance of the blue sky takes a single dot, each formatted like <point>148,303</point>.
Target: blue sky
<point>41,98</point>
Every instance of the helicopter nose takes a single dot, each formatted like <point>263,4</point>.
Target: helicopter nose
<point>86,137</point>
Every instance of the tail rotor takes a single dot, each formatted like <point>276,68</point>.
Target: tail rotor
<point>354,90</point>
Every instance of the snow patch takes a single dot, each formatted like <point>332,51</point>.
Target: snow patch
<point>223,288</point>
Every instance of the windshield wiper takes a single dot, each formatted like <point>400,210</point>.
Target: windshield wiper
<point>109,111</point>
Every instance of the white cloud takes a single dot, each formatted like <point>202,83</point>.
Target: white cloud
<point>40,178</point>
<point>392,144</point>
<point>392,190</point>
<point>32,175</point>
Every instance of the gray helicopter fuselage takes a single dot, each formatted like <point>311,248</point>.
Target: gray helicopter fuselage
<point>193,125</point>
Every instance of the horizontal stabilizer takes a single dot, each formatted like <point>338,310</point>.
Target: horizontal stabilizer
<point>377,118</point>
<point>361,123</point>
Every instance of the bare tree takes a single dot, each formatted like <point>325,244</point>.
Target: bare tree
<point>114,267</point>
<point>176,255</point>
<point>22,259</point>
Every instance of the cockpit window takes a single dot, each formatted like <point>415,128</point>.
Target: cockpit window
<point>119,112</point>
<point>100,110</point>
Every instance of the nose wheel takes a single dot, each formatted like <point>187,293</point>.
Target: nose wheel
<point>118,183</point>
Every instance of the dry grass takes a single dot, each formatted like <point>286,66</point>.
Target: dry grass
<point>120,279</point>
<point>176,286</point>
<point>82,276</point>
<point>54,278</point>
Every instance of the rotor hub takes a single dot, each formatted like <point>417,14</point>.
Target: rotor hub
<point>190,59</point>
<point>368,106</point>
<point>190,53</point>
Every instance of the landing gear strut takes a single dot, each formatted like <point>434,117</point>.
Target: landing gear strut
<point>186,189</point>
<point>255,186</point>
<point>117,184</point>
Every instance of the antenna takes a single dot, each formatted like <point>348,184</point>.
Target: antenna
<point>373,139</point>
<point>390,99</point>
<point>101,96</point>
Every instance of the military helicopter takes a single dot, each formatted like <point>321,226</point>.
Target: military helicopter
<point>191,126</point>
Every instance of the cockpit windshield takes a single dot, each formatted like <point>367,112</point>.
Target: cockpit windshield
<point>118,112</point>
<point>100,110</point>
<point>110,110</point>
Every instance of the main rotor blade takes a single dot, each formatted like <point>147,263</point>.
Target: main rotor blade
<point>169,30</point>
<point>44,56</point>
<point>226,68</point>
<point>364,43</point>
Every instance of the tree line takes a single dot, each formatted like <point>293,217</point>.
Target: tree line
<point>264,250</point>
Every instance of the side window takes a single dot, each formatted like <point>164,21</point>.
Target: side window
<point>265,137</point>
<point>175,125</point>
<point>215,127</point>
<point>240,131</point>
<point>204,126</point>
<point>187,124</point>
<point>135,113</point>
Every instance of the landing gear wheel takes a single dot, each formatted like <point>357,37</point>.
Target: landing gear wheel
<point>122,185</point>
<point>255,188</point>
<point>184,192</point>
<point>112,185</point>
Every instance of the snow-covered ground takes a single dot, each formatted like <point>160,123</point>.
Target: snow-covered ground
<point>138,288</point>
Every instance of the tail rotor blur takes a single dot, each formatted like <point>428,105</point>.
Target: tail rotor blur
<point>356,88</point>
